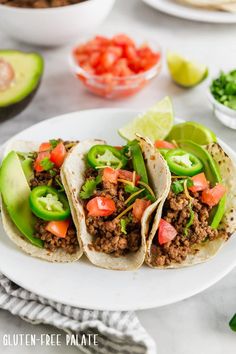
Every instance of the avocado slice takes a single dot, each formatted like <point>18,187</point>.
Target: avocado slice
<point>15,193</point>
<point>212,174</point>
<point>28,70</point>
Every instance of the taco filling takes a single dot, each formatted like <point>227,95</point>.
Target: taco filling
<point>42,212</point>
<point>115,194</point>
<point>194,208</point>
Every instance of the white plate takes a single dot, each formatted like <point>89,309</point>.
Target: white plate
<point>82,284</point>
<point>191,13</point>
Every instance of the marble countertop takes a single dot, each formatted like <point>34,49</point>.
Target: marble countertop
<point>201,322</point>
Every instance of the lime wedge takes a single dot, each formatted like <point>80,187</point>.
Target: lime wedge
<point>155,124</point>
<point>184,72</point>
<point>193,131</point>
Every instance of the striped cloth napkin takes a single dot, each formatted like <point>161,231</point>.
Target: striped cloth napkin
<point>117,332</point>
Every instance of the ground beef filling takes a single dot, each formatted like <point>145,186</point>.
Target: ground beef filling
<point>69,243</point>
<point>108,236</point>
<point>39,4</point>
<point>176,211</point>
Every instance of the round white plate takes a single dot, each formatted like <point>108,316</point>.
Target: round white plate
<point>173,8</point>
<point>82,284</point>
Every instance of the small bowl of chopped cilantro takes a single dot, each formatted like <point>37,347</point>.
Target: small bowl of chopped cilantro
<point>223,98</point>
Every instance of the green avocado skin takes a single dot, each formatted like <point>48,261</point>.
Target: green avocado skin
<point>14,109</point>
<point>212,174</point>
<point>15,193</point>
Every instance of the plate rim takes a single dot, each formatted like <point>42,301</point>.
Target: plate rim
<point>220,18</point>
<point>145,306</point>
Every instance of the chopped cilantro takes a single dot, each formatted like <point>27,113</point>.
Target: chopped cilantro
<point>54,143</point>
<point>89,187</point>
<point>46,164</point>
<point>178,185</point>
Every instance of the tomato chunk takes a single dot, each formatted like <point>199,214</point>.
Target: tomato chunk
<point>110,175</point>
<point>37,164</point>
<point>128,176</point>
<point>200,183</point>
<point>163,144</point>
<point>45,146</point>
<point>140,205</point>
<point>101,206</point>
<point>166,232</point>
<point>212,196</point>
<point>58,228</point>
<point>58,154</point>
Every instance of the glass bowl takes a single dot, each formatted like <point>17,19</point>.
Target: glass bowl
<point>110,86</point>
<point>224,114</point>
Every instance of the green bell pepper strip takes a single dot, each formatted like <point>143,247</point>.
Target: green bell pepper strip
<point>232,323</point>
<point>49,204</point>
<point>181,169</point>
<point>106,155</point>
<point>212,173</point>
<point>138,161</point>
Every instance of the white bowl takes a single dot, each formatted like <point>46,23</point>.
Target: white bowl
<point>53,26</point>
<point>224,114</point>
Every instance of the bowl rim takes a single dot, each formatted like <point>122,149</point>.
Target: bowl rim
<point>50,9</point>
<point>148,74</point>
<point>219,105</point>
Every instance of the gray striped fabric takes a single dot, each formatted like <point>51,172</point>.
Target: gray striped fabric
<point>118,332</point>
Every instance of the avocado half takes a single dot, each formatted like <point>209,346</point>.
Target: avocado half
<point>28,70</point>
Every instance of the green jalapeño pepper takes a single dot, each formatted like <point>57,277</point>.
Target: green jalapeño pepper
<point>106,155</point>
<point>183,163</point>
<point>49,204</point>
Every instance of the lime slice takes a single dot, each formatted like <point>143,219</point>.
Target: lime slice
<point>193,131</point>
<point>155,124</point>
<point>184,72</point>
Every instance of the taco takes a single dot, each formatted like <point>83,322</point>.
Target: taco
<point>36,214</point>
<point>199,213</point>
<point>115,191</point>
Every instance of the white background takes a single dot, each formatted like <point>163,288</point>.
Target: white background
<point>200,324</point>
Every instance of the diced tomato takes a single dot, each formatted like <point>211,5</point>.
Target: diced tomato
<point>110,175</point>
<point>58,154</point>
<point>45,146</point>
<point>121,68</point>
<point>41,155</point>
<point>212,196</point>
<point>128,176</point>
<point>140,205</point>
<point>199,183</point>
<point>101,206</point>
<point>58,228</point>
<point>123,40</point>
<point>163,144</point>
<point>166,232</point>
<point>107,59</point>
<point>119,147</point>
<point>94,59</point>
<point>112,58</point>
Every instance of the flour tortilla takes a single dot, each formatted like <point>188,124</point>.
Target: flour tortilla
<point>73,172</point>
<point>209,249</point>
<point>16,236</point>
<point>224,5</point>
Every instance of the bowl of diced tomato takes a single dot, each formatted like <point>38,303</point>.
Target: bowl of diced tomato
<point>117,66</point>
